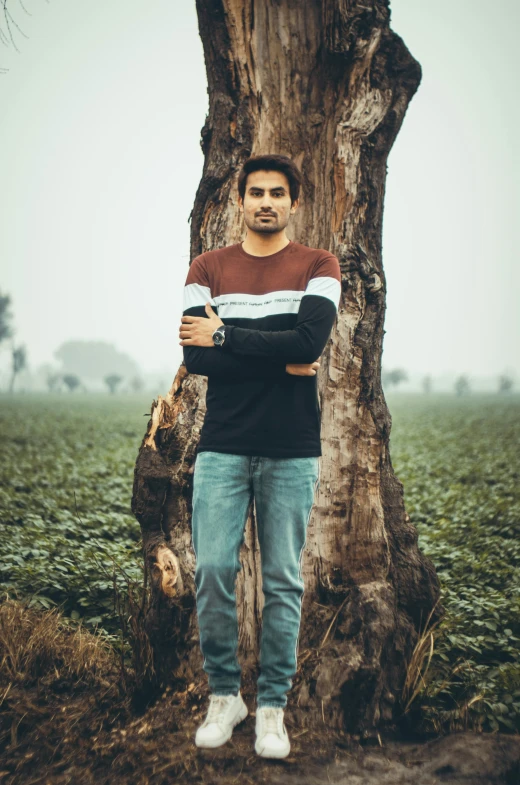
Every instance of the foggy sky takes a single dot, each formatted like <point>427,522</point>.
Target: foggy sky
<point>100,161</point>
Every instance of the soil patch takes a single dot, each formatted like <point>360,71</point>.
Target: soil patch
<point>67,719</point>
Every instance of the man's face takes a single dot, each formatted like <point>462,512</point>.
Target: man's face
<point>267,202</point>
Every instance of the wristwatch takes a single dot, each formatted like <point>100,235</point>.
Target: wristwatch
<point>219,336</point>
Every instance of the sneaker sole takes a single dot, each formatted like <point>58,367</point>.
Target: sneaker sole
<point>242,714</point>
<point>263,754</point>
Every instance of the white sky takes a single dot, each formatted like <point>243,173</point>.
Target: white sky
<point>100,161</point>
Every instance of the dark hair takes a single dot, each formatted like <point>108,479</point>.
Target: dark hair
<point>277,163</point>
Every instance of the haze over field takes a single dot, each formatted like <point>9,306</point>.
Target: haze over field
<point>100,161</point>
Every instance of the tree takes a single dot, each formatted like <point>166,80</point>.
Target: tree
<point>5,317</point>
<point>427,384</point>
<point>395,377</point>
<point>505,383</point>
<point>461,385</point>
<point>18,363</point>
<point>112,381</point>
<point>94,359</point>
<point>18,353</point>
<point>328,85</point>
<point>71,381</point>
<point>136,384</point>
<point>53,381</point>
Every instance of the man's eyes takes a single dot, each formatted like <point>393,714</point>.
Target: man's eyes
<point>258,193</point>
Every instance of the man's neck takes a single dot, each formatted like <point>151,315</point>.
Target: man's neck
<point>264,244</point>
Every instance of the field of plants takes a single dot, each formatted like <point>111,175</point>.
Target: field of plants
<point>67,534</point>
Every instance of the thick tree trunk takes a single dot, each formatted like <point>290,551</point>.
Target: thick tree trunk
<point>328,84</point>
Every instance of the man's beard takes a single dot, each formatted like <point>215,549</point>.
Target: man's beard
<point>267,227</point>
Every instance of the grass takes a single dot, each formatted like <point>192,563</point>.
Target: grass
<point>458,460</point>
<point>70,542</point>
<point>65,489</point>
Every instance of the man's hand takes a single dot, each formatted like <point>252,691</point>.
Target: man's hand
<point>302,369</point>
<point>197,330</point>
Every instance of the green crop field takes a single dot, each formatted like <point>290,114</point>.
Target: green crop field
<point>66,472</point>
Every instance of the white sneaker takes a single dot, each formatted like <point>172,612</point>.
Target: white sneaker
<point>225,711</point>
<point>272,740</point>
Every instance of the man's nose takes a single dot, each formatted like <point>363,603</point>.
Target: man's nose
<point>266,203</point>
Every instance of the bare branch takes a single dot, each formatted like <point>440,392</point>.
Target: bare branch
<point>8,39</point>
<point>8,16</point>
<point>24,8</point>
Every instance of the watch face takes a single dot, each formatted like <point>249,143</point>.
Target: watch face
<point>218,336</point>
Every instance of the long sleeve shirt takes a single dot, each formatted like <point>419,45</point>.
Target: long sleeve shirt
<point>278,309</point>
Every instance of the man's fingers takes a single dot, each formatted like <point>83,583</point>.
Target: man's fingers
<point>302,369</point>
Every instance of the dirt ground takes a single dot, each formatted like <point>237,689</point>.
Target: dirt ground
<point>66,718</point>
<point>87,738</point>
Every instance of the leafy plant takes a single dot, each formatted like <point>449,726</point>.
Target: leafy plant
<point>71,542</point>
<point>458,461</point>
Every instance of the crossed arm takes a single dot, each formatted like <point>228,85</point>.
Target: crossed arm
<point>210,360</point>
<point>303,344</point>
<point>258,354</point>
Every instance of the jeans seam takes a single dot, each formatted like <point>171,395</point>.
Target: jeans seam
<point>300,572</point>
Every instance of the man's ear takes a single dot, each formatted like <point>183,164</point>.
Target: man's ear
<point>295,206</point>
<point>240,204</point>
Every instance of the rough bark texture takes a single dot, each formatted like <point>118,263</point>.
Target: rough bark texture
<point>327,83</point>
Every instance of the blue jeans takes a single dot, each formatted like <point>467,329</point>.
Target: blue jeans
<point>284,490</point>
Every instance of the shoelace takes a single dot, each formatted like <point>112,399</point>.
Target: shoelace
<point>272,721</point>
<point>217,705</point>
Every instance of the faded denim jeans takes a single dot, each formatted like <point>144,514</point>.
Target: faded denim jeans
<point>284,491</point>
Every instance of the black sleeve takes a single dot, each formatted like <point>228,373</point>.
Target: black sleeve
<point>303,344</point>
<point>212,361</point>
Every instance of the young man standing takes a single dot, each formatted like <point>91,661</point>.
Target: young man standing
<point>256,317</point>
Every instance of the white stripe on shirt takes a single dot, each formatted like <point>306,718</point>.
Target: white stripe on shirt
<point>196,295</point>
<point>256,306</point>
<point>326,287</point>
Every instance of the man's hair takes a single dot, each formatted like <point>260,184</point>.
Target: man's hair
<point>277,163</point>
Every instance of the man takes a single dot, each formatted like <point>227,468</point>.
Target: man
<point>256,317</point>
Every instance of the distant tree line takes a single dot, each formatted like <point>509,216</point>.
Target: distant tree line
<point>18,352</point>
<point>461,386</point>
<point>80,361</point>
<point>72,382</point>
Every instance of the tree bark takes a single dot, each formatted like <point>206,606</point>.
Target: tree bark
<point>327,83</point>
